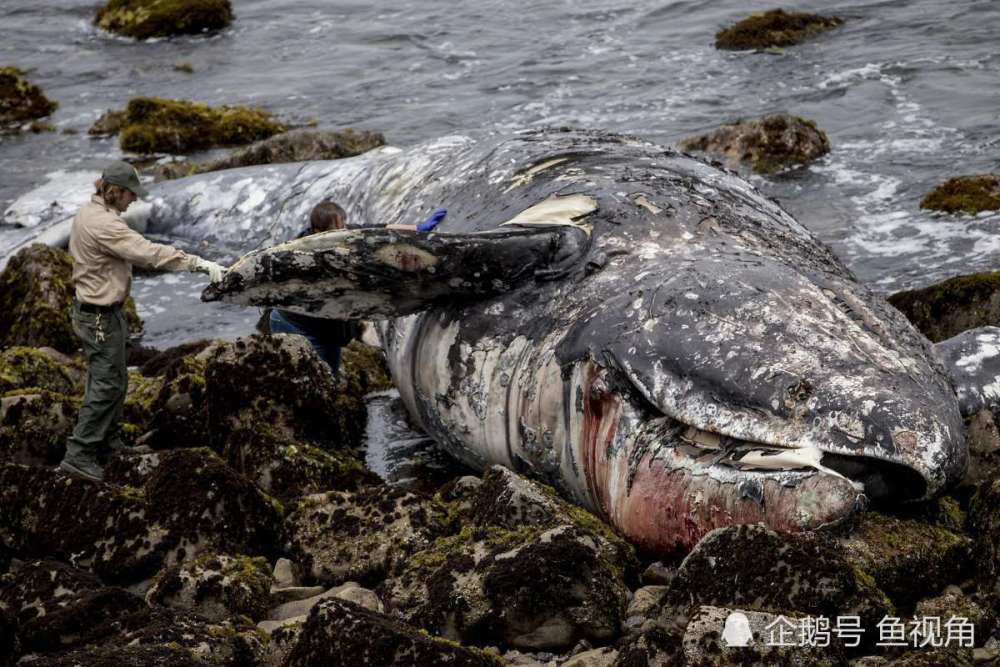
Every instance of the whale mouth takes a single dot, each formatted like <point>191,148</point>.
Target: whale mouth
<point>877,478</point>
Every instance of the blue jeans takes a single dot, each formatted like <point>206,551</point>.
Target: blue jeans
<point>327,352</point>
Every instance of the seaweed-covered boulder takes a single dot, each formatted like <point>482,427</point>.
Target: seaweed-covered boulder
<point>767,144</point>
<point>340,536</point>
<point>40,587</point>
<point>656,647</point>
<point>21,100</point>
<point>806,573</point>
<point>143,19</point>
<point>215,586</point>
<point>34,427</point>
<point>291,146</point>
<point>750,638</point>
<point>109,124</point>
<point>773,29</point>
<point>286,468</point>
<point>908,559</point>
<point>340,633</point>
<point>948,308</point>
<point>82,619</point>
<point>172,408</point>
<point>155,125</point>
<point>191,503</point>
<point>527,570</point>
<point>36,292</point>
<point>965,194</point>
<point>24,368</point>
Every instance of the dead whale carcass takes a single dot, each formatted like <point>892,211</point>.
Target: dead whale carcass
<point>641,330</point>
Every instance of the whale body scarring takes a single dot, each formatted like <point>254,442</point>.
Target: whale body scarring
<point>651,336</point>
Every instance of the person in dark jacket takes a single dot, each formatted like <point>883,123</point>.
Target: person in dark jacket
<point>326,336</point>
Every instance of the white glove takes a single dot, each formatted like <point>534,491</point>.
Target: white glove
<point>213,270</point>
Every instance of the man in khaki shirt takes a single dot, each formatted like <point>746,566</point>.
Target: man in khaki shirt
<point>104,249</point>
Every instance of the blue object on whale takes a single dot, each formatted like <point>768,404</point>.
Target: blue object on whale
<point>432,222</point>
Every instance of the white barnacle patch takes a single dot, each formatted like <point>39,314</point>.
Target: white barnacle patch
<point>988,348</point>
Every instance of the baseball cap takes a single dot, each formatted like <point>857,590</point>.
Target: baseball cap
<point>124,175</point>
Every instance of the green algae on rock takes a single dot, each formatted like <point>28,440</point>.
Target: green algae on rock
<point>20,100</point>
<point>27,367</point>
<point>155,125</point>
<point>965,194</point>
<point>767,144</point>
<point>948,308</point>
<point>215,586</point>
<point>292,146</point>
<point>109,124</point>
<point>143,19</point>
<point>36,293</point>
<point>774,28</point>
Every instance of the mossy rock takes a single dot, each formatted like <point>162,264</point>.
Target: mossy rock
<point>25,367</point>
<point>287,468</point>
<point>965,194</point>
<point>36,293</point>
<point>109,124</point>
<point>20,100</point>
<point>342,634</point>
<point>35,425</point>
<point>948,308</point>
<point>526,570</point>
<point>292,146</point>
<point>752,567</point>
<point>124,656</point>
<point>908,559</point>
<point>215,586</point>
<point>356,536</point>
<point>155,125</point>
<point>767,144</point>
<point>143,19</point>
<point>953,603</point>
<point>39,587</point>
<point>179,411</point>
<point>773,29</point>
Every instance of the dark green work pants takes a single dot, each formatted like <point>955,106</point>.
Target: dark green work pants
<point>104,336</point>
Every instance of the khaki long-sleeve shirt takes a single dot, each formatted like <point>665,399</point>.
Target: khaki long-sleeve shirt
<point>104,249</point>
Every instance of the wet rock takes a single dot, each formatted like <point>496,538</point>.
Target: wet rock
<point>954,603</point>
<point>965,194</point>
<point>908,559</point>
<point>286,468</point>
<point>716,638</point>
<point>527,570</point>
<point>172,408</point>
<point>143,19</point>
<point>155,125</point>
<point>806,573</point>
<point>948,308</point>
<point>36,292</point>
<point>285,574</point>
<point>767,144</point>
<point>341,633</point>
<point>23,368</point>
<point>656,647</point>
<point>350,591</point>
<point>215,586</point>
<point>34,427</point>
<point>362,371</point>
<point>340,536</point>
<point>192,503</point>
<point>109,124</point>
<point>773,29</point>
<point>292,146</point>
<point>20,100</point>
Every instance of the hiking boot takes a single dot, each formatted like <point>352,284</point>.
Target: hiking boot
<point>88,470</point>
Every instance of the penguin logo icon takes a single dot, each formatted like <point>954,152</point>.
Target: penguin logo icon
<point>737,632</point>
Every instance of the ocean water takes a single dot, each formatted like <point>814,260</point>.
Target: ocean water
<point>906,90</point>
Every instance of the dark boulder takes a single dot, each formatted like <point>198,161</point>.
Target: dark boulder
<point>143,19</point>
<point>34,427</point>
<point>767,144</point>
<point>215,586</point>
<point>340,633</point>
<point>773,29</point>
<point>948,308</point>
<point>292,146</point>
<point>20,100</point>
<point>36,292</point>
<point>965,194</point>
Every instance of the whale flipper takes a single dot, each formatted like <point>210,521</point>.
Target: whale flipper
<point>378,273</point>
<point>972,359</point>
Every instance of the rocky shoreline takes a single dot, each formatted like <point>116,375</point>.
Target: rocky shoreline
<point>244,530</point>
